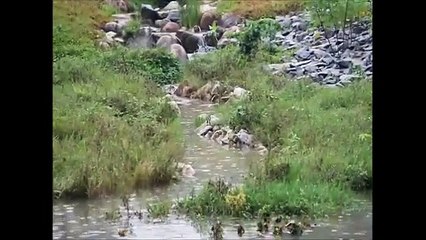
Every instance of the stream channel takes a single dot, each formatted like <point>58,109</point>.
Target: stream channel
<point>85,219</point>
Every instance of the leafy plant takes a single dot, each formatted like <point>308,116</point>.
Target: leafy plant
<point>132,28</point>
<point>254,32</point>
<point>158,210</point>
<point>157,64</point>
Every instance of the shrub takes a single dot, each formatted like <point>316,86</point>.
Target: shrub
<point>154,64</point>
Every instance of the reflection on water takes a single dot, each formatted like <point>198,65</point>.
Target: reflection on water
<point>85,219</point>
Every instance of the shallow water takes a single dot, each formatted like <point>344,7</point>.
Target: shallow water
<point>85,219</point>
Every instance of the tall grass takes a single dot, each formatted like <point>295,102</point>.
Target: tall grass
<point>255,9</point>
<point>112,130</point>
<point>249,201</point>
<point>191,14</point>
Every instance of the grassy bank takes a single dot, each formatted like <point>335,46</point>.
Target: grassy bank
<point>320,138</point>
<point>112,131</point>
<point>255,9</point>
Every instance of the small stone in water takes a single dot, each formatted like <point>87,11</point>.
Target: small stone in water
<point>333,230</point>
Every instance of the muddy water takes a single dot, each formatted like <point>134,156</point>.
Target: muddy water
<point>85,219</point>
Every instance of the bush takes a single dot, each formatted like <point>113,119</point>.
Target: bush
<point>154,64</point>
<point>288,198</point>
<point>215,66</point>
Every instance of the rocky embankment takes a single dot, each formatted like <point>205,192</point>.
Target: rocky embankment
<point>333,58</point>
<point>329,57</point>
<point>162,28</point>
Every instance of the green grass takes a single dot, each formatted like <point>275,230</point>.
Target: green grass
<point>276,197</point>
<point>112,131</point>
<point>255,9</point>
<point>191,15</point>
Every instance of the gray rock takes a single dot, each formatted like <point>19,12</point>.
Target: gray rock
<point>299,71</point>
<point>310,68</point>
<point>303,54</point>
<point>345,63</point>
<point>205,130</point>
<point>295,19</point>
<point>346,71</point>
<point>330,80</point>
<point>347,77</point>
<point>300,26</point>
<point>328,60</point>
<point>369,68</point>
<point>226,41</point>
<point>174,16</point>
<point>343,46</point>
<point>320,53</point>
<point>111,27</point>
<point>285,22</point>
<point>148,13</point>
<point>368,48</point>
<point>315,77</point>
<point>355,46</point>
<point>298,64</point>
<point>323,74</point>
<point>329,33</point>
<point>173,5</point>
<point>301,36</point>
<point>245,138</point>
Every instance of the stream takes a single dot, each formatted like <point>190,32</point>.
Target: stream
<point>85,219</point>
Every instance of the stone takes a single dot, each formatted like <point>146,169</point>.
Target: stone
<point>245,138</point>
<point>285,22</point>
<point>173,5</point>
<point>303,54</point>
<point>346,77</point>
<point>230,19</point>
<point>320,53</point>
<point>310,68</point>
<point>327,60</point>
<point>179,52</point>
<point>345,63</point>
<point>226,41</point>
<point>174,16</point>
<point>301,63</point>
<point>301,36</point>
<point>300,26</point>
<point>171,27</point>
<point>207,20</point>
<point>205,130</point>
<point>148,13</point>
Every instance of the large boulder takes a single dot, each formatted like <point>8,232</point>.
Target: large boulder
<point>149,14</point>
<point>189,40</point>
<point>174,16</point>
<point>166,41</point>
<point>172,5</point>
<point>207,20</point>
<point>179,52</point>
<point>228,20</point>
<point>171,27</point>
